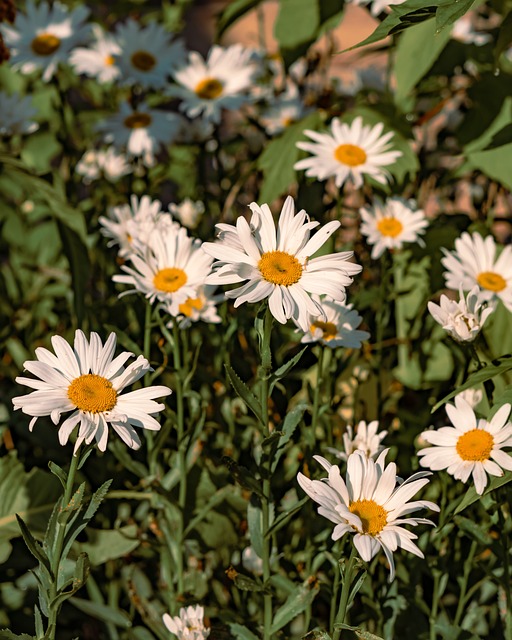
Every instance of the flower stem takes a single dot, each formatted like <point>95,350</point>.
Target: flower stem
<point>311,432</point>
<point>56,556</point>
<point>266,365</point>
<point>147,354</point>
<point>345,593</point>
<point>468,565</point>
<point>435,604</point>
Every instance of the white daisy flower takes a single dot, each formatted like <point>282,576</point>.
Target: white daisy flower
<point>471,447</point>
<point>348,152</point>
<point>472,396</point>
<point>130,226</point>
<point>141,131</point>
<point>369,505</point>
<point>220,82</point>
<point>16,113</point>
<point>202,307</point>
<point>474,262</point>
<point>189,625</point>
<point>146,54</point>
<point>387,225</point>
<point>366,439</point>
<point>463,320</point>
<point>463,31</point>
<point>108,164</point>
<point>188,212</point>
<point>284,110</point>
<point>43,36</point>
<point>98,60</point>
<point>336,327</point>
<point>279,266</point>
<point>88,380</point>
<point>170,269</point>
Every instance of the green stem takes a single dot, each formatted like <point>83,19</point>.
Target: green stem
<point>505,542</point>
<point>334,596</point>
<point>147,354</point>
<point>435,604</point>
<point>468,565</point>
<point>400,319</point>
<point>266,365</point>
<point>311,432</point>
<point>59,543</point>
<point>345,594</point>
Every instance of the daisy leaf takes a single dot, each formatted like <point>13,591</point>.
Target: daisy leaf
<point>245,393</point>
<point>472,496</point>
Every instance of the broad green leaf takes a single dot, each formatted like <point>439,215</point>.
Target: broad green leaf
<point>245,393</point>
<point>78,258</point>
<point>296,23</point>
<point>448,12</point>
<point>494,163</point>
<point>496,368</point>
<point>255,524</point>
<point>102,612</point>
<point>417,50</point>
<point>232,12</point>
<point>295,604</point>
<point>277,160</point>
<point>39,149</point>
<point>241,633</point>
<point>472,496</point>
<point>109,544</point>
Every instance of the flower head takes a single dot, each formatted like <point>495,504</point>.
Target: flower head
<point>43,36</point>
<point>89,381</point>
<point>17,113</point>
<point>336,327</point>
<point>189,625</point>
<point>387,225</point>
<point>98,60</point>
<point>283,110</point>
<point>278,266</point>
<point>108,164</point>
<point>348,152</point>
<point>146,55</point>
<point>463,320</point>
<point>474,262</point>
<point>366,439</point>
<point>369,504</point>
<point>188,212</point>
<point>471,447</point>
<point>222,81</point>
<point>202,307</point>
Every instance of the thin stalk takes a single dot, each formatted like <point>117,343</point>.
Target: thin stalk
<point>59,543</point>
<point>345,593</point>
<point>311,433</point>
<point>435,604</point>
<point>266,365</point>
<point>468,565</point>
<point>147,354</point>
<point>334,596</point>
<point>505,542</point>
<point>400,320</point>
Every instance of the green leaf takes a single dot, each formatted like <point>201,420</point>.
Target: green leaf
<point>74,504</point>
<point>472,496</point>
<point>290,423</point>
<point>449,12</point>
<point>102,612</point>
<point>295,604</point>
<point>38,623</point>
<point>317,635</point>
<point>241,633</point>
<point>245,583</point>
<point>242,476</point>
<point>31,495</point>
<point>280,522</point>
<point>361,634</point>
<point>255,523</point>
<point>5,634</point>
<point>277,160</point>
<point>496,368</point>
<point>109,544</point>
<point>81,573</point>
<point>232,12</point>
<point>473,530</point>
<point>417,50</point>
<point>78,258</point>
<point>494,162</point>
<point>296,23</point>
<point>34,547</point>
<point>283,370</point>
<point>504,37</point>
<point>244,392</point>
<point>59,472</point>
<point>39,149</point>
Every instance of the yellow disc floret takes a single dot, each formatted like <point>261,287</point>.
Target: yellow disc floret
<point>328,329</point>
<point>143,60</point>
<point>209,88</point>
<point>92,393</point>
<point>137,120</point>
<point>390,226</point>
<point>279,267</point>
<point>373,517</point>
<point>190,305</point>
<point>170,279</point>
<point>44,44</point>
<point>475,445</point>
<point>350,154</point>
<point>491,281</point>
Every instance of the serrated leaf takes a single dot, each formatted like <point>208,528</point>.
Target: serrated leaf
<point>245,393</point>
<point>102,612</point>
<point>295,604</point>
<point>255,524</point>
<point>290,423</point>
<point>495,368</point>
<point>73,505</point>
<point>38,623</point>
<point>472,496</point>
<point>6,634</point>
<point>34,547</point>
<point>241,633</point>
<point>280,522</point>
<point>283,370</point>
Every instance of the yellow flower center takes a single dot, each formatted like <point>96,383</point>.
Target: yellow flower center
<point>329,329</point>
<point>92,393</point>
<point>492,281</point>
<point>373,517</point>
<point>475,445</point>
<point>279,267</point>
<point>289,121</point>
<point>190,305</point>
<point>44,44</point>
<point>109,61</point>
<point>170,279</point>
<point>137,120</point>
<point>390,227</point>
<point>209,88</point>
<point>350,154</point>
<point>143,60</point>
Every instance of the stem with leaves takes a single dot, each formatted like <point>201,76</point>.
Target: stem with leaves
<point>468,565</point>
<point>345,594</point>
